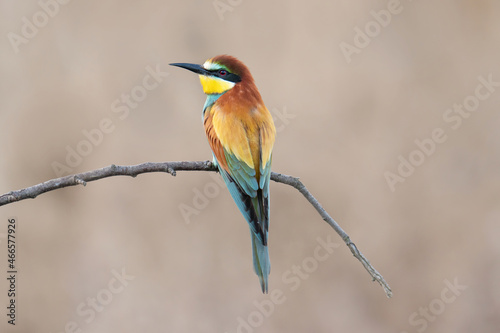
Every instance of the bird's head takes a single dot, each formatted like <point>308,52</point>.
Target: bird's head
<point>219,74</point>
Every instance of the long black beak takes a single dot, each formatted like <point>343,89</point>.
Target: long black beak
<point>198,69</point>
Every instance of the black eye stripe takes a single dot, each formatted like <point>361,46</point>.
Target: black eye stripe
<point>226,75</point>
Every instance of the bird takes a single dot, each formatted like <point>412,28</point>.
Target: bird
<point>241,133</point>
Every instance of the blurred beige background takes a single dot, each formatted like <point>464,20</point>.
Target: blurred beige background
<point>342,127</point>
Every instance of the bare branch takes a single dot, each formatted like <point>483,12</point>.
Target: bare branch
<point>295,182</point>
<point>171,168</point>
<point>110,171</point>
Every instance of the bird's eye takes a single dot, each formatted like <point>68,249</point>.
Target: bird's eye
<point>222,72</point>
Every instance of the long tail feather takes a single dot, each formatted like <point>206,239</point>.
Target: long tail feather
<point>261,262</point>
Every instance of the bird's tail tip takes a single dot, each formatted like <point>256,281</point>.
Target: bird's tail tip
<point>261,262</point>
<point>263,284</point>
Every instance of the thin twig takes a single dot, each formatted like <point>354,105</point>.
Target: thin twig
<point>171,168</point>
<point>295,182</point>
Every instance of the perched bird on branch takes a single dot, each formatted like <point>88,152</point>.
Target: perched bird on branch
<point>241,133</point>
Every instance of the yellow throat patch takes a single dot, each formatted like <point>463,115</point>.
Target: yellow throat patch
<point>215,85</point>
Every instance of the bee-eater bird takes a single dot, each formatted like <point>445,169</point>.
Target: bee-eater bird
<point>241,133</point>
